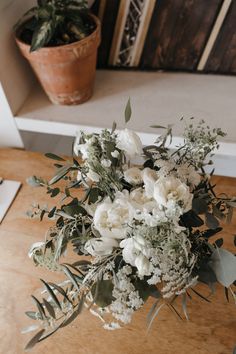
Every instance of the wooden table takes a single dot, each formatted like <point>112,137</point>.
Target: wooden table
<point>211,329</point>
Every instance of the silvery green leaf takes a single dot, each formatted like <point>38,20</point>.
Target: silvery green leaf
<point>33,181</point>
<point>30,13</point>
<point>54,157</point>
<point>42,35</point>
<point>29,329</point>
<point>61,172</point>
<point>154,316</point>
<point>223,264</point>
<point>34,340</point>
<point>128,111</point>
<point>51,293</point>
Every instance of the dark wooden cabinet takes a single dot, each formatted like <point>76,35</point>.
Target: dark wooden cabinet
<point>185,35</point>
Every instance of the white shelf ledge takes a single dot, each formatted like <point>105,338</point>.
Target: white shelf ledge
<point>157,98</point>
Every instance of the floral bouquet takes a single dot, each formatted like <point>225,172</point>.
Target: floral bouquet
<point>138,230</point>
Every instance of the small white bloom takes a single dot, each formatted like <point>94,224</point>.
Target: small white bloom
<point>83,149</point>
<point>170,191</point>
<point>188,174</point>
<point>115,154</point>
<point>135,252</point>
<point>149,179</point>
<point>93,176</point>
<point>35,246</point>
<point>143,265</point>
<point>129,142</point>
<point>106,163</point>
<point>100,246</point>
<point>133,175</point>
<point>79,176</point>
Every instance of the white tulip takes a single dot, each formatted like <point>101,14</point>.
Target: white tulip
<point>129,142</point>
<point>100,246</point>
<point>133,175</point>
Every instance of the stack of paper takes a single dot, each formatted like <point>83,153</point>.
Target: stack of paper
<point>8,191</point>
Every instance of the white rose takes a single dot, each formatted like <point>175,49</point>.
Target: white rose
<point>133,175</point>
<point>149,179</point>
<point>129,142</point>
<point>100,246</point>
<point>169,191</point>
<point>135,252</point>
<point>111,219</point>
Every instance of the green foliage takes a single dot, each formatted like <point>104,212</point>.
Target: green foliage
<point>55,22</point>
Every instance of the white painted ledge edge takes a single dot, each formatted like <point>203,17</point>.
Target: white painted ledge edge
<point>225,156</point>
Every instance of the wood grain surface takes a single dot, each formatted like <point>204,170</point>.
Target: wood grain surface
<point>211,329</point>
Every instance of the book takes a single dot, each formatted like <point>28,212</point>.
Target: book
<point>8,192</point>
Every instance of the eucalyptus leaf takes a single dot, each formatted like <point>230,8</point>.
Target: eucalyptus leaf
<point>223,264</point>
<point>199,205</point>
<point>211,221</point>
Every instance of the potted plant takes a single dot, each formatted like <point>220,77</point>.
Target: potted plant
<point>60,41</point>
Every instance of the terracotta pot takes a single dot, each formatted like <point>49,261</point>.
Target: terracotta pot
<point>66,72</point>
